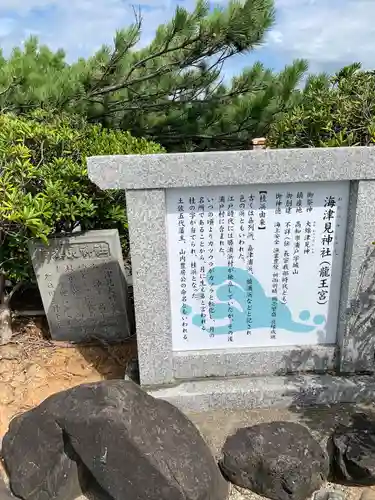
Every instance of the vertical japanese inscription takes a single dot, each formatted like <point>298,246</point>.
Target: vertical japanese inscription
<point>210,258</point>
<point>249,262</point>
<point>250,251</point>
<point>275,278</point>
<point>182,230</point>
<point>326,253</point>
<point>230,262</point>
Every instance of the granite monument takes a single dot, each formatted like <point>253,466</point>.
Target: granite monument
<point>252,273</point>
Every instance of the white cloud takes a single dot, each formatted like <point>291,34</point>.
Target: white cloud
<point>79,26</point>
<point>275,37</point>
<point>327,33</point>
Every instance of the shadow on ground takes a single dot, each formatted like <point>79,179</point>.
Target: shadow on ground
<point>360,320</point>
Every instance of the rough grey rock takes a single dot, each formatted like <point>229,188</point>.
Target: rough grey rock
<point>352,451</point>
<point>40,462</point>
<point>279,460</point>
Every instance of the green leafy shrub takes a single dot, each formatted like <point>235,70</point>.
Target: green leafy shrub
<point>44,187</point>
<point>331,111</point>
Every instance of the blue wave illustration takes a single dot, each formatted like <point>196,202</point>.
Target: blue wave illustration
<point>244,288</point>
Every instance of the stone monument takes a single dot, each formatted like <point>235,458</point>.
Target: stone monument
<point>252,273</point>
<point>82,283</point>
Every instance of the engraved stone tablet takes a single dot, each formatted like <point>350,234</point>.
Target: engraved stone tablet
<point>82,283</point>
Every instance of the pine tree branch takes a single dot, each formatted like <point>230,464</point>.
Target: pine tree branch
<point>167,68</point>
<point>118,55</point>
<point>201,46</point>
<point>11,86</point>
<point>208,100</point>
<point>231,136</point>
<point>165,50</point>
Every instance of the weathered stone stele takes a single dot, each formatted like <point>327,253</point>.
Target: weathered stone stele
<point>82,283</point>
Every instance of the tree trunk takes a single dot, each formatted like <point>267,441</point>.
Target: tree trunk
<point>5,314</point>
<point>5,324</point>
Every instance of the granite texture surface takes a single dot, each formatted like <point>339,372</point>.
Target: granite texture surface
<point>253,361</point>
<point>245,393</point>
<point>232,168</point>
<point>356,329</point>
<point>344,363</point>
<point>147,229</point>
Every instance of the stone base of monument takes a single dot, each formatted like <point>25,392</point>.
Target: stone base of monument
<point>268,392</point>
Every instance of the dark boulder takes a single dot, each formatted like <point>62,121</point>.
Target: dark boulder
<point>352,452</point>
<point>134,446</point>
<point>40,463</point>
<point>279,460</point>
<point>140,447</point>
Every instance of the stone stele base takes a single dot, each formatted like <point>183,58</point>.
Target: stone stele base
<point>267,392</point>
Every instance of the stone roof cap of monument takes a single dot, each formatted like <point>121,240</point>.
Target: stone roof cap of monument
<point>230,168</point>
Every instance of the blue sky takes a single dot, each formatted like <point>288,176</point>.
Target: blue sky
<point>328,33</point>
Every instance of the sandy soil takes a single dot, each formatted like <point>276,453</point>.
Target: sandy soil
<point>33,367</point>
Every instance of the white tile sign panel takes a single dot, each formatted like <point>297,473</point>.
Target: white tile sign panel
<point>257,265</point>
